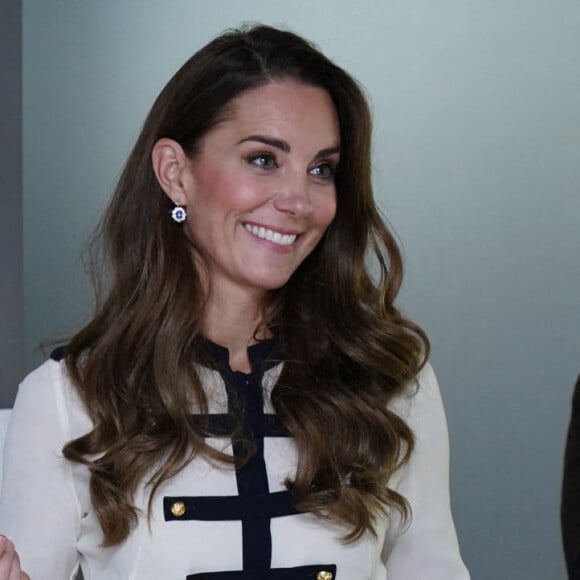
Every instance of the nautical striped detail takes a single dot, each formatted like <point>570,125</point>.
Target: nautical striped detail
<point>298,573</point>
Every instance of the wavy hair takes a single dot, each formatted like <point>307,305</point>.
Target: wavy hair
<point>347,349</point>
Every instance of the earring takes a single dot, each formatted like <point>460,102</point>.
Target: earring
<point>178,214</point>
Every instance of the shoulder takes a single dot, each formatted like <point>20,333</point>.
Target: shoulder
<point>41,382</point>
<point>426,382</point>
<point>420,396</point>
<point>45,379</point>
<point>47,394</point>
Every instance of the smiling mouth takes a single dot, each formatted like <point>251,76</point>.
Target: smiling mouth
<point>271,235</point>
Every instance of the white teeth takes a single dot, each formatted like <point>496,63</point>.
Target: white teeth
<point>271,235</point>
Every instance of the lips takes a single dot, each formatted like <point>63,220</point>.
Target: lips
<point>271,235</point>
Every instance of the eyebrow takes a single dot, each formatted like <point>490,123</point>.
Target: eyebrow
<point>285,146</point>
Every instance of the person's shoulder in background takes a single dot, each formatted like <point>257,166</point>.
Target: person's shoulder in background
<point>570,506</point>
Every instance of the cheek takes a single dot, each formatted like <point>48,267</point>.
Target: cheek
<point>225,194</point>
<point>326,211</point>
<point>212,200</point>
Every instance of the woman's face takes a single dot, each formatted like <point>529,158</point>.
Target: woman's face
<point>260,191</point>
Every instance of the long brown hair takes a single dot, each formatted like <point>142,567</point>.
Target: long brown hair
<point>348,351</point>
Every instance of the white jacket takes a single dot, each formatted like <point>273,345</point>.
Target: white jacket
<point>46,510</point>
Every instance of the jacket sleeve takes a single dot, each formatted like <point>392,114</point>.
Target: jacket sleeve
<point>570,507</point>
<point>39,510</point>
<point>426,548</point>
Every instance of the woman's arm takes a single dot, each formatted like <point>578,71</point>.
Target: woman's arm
<point>428,547</point>
<point>39,510</point>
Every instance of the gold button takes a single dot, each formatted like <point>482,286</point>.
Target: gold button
<point>178,509</point>
<point>324,575</point>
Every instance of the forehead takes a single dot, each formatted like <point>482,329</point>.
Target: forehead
<point>285,109</point>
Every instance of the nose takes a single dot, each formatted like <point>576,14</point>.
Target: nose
<point>294,198</point>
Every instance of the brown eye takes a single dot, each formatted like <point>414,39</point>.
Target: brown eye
<point>324,171</point>
<point>263,160</point>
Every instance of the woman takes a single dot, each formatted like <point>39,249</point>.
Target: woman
<point>247,402</point>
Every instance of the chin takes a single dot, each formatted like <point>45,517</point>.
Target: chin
<point>268,278</point>
<point>275,285</point>
<point>271,283</point>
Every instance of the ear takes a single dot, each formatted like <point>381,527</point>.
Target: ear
<point>169,162</point>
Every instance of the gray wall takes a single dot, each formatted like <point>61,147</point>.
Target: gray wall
<point>11,330</point>
<point>477,153</point>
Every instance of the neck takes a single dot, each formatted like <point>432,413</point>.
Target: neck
<point>233,320</point>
